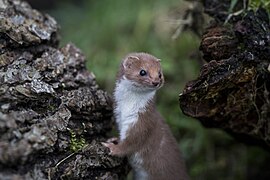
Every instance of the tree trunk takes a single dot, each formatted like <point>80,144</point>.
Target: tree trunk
<point>232,90</point>
<point>53,115</point>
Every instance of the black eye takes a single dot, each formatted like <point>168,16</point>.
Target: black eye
<point>143,72</point>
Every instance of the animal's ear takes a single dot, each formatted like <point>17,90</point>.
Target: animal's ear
<point>129,60</point>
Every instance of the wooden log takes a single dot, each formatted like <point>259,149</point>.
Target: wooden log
<point>232,90</point>
<point>53,115</point>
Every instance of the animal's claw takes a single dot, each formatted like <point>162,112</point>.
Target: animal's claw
<point>114,150</point>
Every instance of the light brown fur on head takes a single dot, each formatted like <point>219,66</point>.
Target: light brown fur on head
<point>134,63</point>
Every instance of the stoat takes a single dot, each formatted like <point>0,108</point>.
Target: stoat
<point>145,138</point>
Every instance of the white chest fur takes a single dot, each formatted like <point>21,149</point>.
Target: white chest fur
<point>130,100</point>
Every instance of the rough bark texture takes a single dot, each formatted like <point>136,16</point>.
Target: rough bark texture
<point>52,113</point>
<point>232,90</point>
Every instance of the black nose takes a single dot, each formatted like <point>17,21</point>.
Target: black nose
<point>155,83</point>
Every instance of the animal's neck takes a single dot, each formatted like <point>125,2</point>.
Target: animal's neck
<point>126,94</point>
<point>129,102</point>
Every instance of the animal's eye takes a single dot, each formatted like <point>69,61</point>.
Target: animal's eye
<point>143,72</point>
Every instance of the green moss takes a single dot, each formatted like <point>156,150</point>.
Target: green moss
<point>77,142</point>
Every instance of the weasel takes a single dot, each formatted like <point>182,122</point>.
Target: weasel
<point>145,138</point>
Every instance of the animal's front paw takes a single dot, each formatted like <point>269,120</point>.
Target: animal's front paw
<point>114,150</point>
<point>113,140</point>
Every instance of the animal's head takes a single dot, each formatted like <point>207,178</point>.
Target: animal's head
<point>143,70</point>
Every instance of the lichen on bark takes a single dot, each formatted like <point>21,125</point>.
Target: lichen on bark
<point>46,93</point>
<point>232,90</point>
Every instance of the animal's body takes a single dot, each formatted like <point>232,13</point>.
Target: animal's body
<point>145,138</point>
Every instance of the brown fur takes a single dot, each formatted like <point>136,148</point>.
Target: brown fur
<point>150,136</point>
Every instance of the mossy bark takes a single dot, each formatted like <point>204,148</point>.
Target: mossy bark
<point>53,115</point>
<point>232,91</point>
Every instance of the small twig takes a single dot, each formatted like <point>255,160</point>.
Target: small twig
<point>64,160</point>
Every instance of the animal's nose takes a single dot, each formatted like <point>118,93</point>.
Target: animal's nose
<point>155,83</point>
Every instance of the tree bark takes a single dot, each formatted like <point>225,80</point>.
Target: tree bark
<point>232,90</point>
<point>53,115</point>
